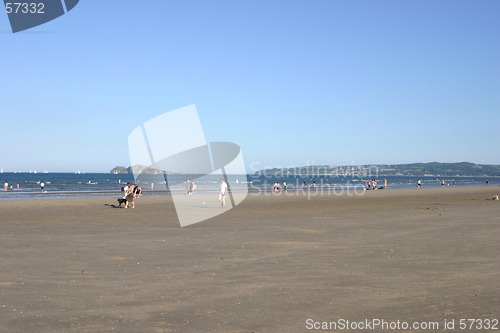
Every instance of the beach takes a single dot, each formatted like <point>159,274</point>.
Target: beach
<point>274,263</point>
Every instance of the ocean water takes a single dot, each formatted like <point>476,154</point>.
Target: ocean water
<point>70,185</point>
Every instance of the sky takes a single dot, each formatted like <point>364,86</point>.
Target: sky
<point>291,82</point>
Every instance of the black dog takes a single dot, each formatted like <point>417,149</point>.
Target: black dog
<point>121,201</point>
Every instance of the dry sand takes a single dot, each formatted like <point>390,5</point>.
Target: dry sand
<point>270,264</point>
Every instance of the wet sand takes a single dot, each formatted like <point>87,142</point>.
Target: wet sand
<point>268,265</point>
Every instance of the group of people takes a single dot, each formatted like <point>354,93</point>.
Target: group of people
<point>443,183</point>
<point>372,184</point>
<point>6,186</point>
<point>130,192</point>
<point>277,186</point>
<point>313,184</point>
<point>224,188</point>
<point>190,187</point>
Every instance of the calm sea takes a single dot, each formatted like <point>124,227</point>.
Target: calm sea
<point>70,185</point>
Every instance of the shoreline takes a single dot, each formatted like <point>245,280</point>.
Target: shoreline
<point>148,193</point>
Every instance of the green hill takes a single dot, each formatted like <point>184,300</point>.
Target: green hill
<point>413,169</point>
<point>136,168</point>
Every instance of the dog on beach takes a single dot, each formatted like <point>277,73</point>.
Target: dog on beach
<point>121,201</point>
<point>495,197</point>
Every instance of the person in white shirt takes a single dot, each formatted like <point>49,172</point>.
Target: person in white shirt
<point>125,190</point>
<point>223,192</point>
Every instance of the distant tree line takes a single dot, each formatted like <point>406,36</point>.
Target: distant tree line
<point>413,169</point>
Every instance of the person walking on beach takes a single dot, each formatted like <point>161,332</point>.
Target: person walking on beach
<point>443,183</point>
<point>284,186</point>
<point>419,183</point>
<point>222,193</point>
<point>42,186</point>
<point>5,186</point>
<point>385,183</point>
<point>188,187</point>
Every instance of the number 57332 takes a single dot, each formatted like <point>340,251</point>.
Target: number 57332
<point>479,324</point>
<point>24,8</point>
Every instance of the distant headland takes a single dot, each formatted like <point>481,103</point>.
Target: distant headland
<point>414,169</point>
<point>461,169</point>
<point>138,169</point>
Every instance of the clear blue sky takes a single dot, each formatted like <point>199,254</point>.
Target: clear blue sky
<point>291,82</point>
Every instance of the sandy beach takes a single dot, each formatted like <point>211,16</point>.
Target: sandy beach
<point>275,263</point>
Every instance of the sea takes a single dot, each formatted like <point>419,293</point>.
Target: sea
<point>24,185</point>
